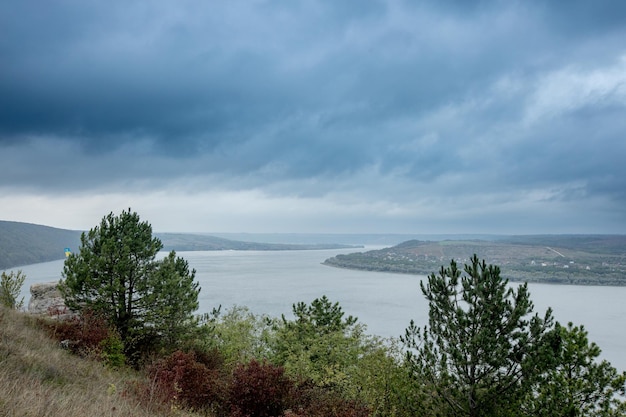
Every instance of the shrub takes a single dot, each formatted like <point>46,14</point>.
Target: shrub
<point>310,400</point>
<point>180,379</point>
<point>212,358</point>
<point>142,349</point>
<point>113,351</point>
<point>260,390</point>
<point>10,288</point>
<point>239,334</point>
<point>82,334</point>
<point>320,344</point>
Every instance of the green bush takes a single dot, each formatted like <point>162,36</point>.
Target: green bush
<point>113,351</point>
<point>10,288</point>
<point>240,335</point>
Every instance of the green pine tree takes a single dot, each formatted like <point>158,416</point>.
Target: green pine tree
<point>579,385</point>
<point>320,343</point>
<point>172,297</point>
<point>115,273</point>
<point>482,350</point>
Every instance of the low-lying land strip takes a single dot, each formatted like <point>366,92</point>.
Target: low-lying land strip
<point>582,260</point>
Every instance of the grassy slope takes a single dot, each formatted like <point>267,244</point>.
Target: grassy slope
<point>37,378</point>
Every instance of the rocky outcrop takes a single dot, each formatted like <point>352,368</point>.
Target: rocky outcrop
<point>45,298</point>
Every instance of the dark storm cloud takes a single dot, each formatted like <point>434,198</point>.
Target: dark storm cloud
<point>506,95</point>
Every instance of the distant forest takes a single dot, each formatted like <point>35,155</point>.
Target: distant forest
<point>25,243</point>
<point>559,259</point>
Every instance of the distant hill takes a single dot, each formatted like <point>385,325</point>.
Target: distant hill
<point>373,239</point>
<point>26,243</point>
<point>193,242</point>
<point>563,259</point>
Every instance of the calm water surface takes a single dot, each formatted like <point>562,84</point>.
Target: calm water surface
<point>270,282</point>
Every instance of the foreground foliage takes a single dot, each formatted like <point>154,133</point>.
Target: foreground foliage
<point>199,379</point>
<point>483,353</point>
<point>319,343</point>
<point>115,274</point>
<point>259,389</point>
<point>579,384</point>
<point>10,288</point>
<point>88,335</point>
<point>39,378</point>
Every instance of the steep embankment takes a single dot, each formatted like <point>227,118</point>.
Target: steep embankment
<point>38,378</point>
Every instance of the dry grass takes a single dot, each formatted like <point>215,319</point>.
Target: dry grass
<point>38,378</point>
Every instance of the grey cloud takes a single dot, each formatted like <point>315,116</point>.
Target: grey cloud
<point>271,93</point>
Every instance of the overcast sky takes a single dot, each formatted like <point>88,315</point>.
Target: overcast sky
<point>388,116</point>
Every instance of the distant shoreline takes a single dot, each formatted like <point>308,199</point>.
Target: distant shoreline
<point>564,260</point>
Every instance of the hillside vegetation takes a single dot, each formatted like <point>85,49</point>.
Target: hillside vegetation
<point>140,350</point>
<point>583,260</point>
<point>320,364</point>
<point>38,378</point>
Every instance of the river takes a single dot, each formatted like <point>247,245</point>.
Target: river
<point>270,282</point>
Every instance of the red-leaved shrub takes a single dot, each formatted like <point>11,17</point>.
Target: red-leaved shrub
<point>310,400</point>
<point>181,379</point>
<point>260,390</point>
<point>82,334</point>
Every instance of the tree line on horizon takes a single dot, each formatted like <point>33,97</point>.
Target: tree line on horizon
<point>483,352</point>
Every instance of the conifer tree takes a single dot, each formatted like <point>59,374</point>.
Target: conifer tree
<point>482,351</point>
<point>115,273</point>
<point>320,343</point>
<point>580,385</point>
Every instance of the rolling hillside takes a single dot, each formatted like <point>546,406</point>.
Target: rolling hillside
<point>563,259</point>
<point>25,243</point>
